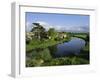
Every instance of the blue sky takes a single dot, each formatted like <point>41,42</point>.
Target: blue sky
<point>63,22</point>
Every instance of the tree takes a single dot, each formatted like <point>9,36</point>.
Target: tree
<point>38,30</point>
<point>52,33</point>
<point>87,37</point>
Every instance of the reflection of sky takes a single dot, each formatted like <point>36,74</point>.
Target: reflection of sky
<point>72,47</point>
<point>67,22</point>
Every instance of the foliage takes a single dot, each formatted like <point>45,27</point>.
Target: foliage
<point>33,62</point>
<point>35,43</point>
<point>52,33</point>
<point>39,31</point>
<point>38,56</point>
<point>85,52</point>
<point>61,61</point>
<point>66,61</point>
<point>44,54</point>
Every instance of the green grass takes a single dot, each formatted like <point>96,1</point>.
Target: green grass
<point>42,44</point>
<point>82,36</point>
<point>57,61</point>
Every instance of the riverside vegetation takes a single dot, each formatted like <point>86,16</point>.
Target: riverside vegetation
<point>41,45</point>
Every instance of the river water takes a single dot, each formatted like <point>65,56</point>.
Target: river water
<point>72,47</point>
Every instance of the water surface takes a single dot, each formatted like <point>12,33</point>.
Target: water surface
<point>72,47</point>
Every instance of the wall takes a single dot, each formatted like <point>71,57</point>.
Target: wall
<point>5,40</point>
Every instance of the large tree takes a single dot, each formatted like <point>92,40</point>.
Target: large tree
<point>38,30</point>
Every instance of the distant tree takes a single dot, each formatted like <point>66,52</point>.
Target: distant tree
<point>52,33</point>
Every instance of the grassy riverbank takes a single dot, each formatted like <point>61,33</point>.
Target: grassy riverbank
<point>43,44</point>
<point>44,58</point>
<point>85,52</point>
<point>84,36</point>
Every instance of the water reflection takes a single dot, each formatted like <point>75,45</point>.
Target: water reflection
<point>64,49</point>
<point>67,48</point>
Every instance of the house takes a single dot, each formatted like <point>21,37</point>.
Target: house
<point>29,35</point>
<point>62,35</point>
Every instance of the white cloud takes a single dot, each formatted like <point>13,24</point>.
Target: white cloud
<point>78,29</point>
<point>45,24</point>
<point>42,22</point>
<point>58,27</point>
<point>28,26</point>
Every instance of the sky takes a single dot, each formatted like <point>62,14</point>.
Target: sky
<point>61,22</point>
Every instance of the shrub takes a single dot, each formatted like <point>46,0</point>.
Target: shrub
<point>44,54</point>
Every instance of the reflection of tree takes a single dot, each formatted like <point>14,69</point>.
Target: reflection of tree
<point>53,49</point>
<point>87,37</point>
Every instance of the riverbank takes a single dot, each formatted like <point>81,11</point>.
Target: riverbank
<point>43,44</point>
<point>44,57</point>
<point>84,36</point>
<point>85,52</point>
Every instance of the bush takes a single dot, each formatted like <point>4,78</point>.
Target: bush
<point>66,61</point>
<point>34,62</point>
<point>57,39</point>
<point>44,54</point>
<point>38,57</point>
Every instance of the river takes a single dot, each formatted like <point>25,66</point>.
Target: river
<point>72,47</point>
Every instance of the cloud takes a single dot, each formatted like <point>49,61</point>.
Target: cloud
<point>42,22</point>
<point>59,27</point>
<point>45,24</point>
<point>28,26</point>
<point>77,29</point>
